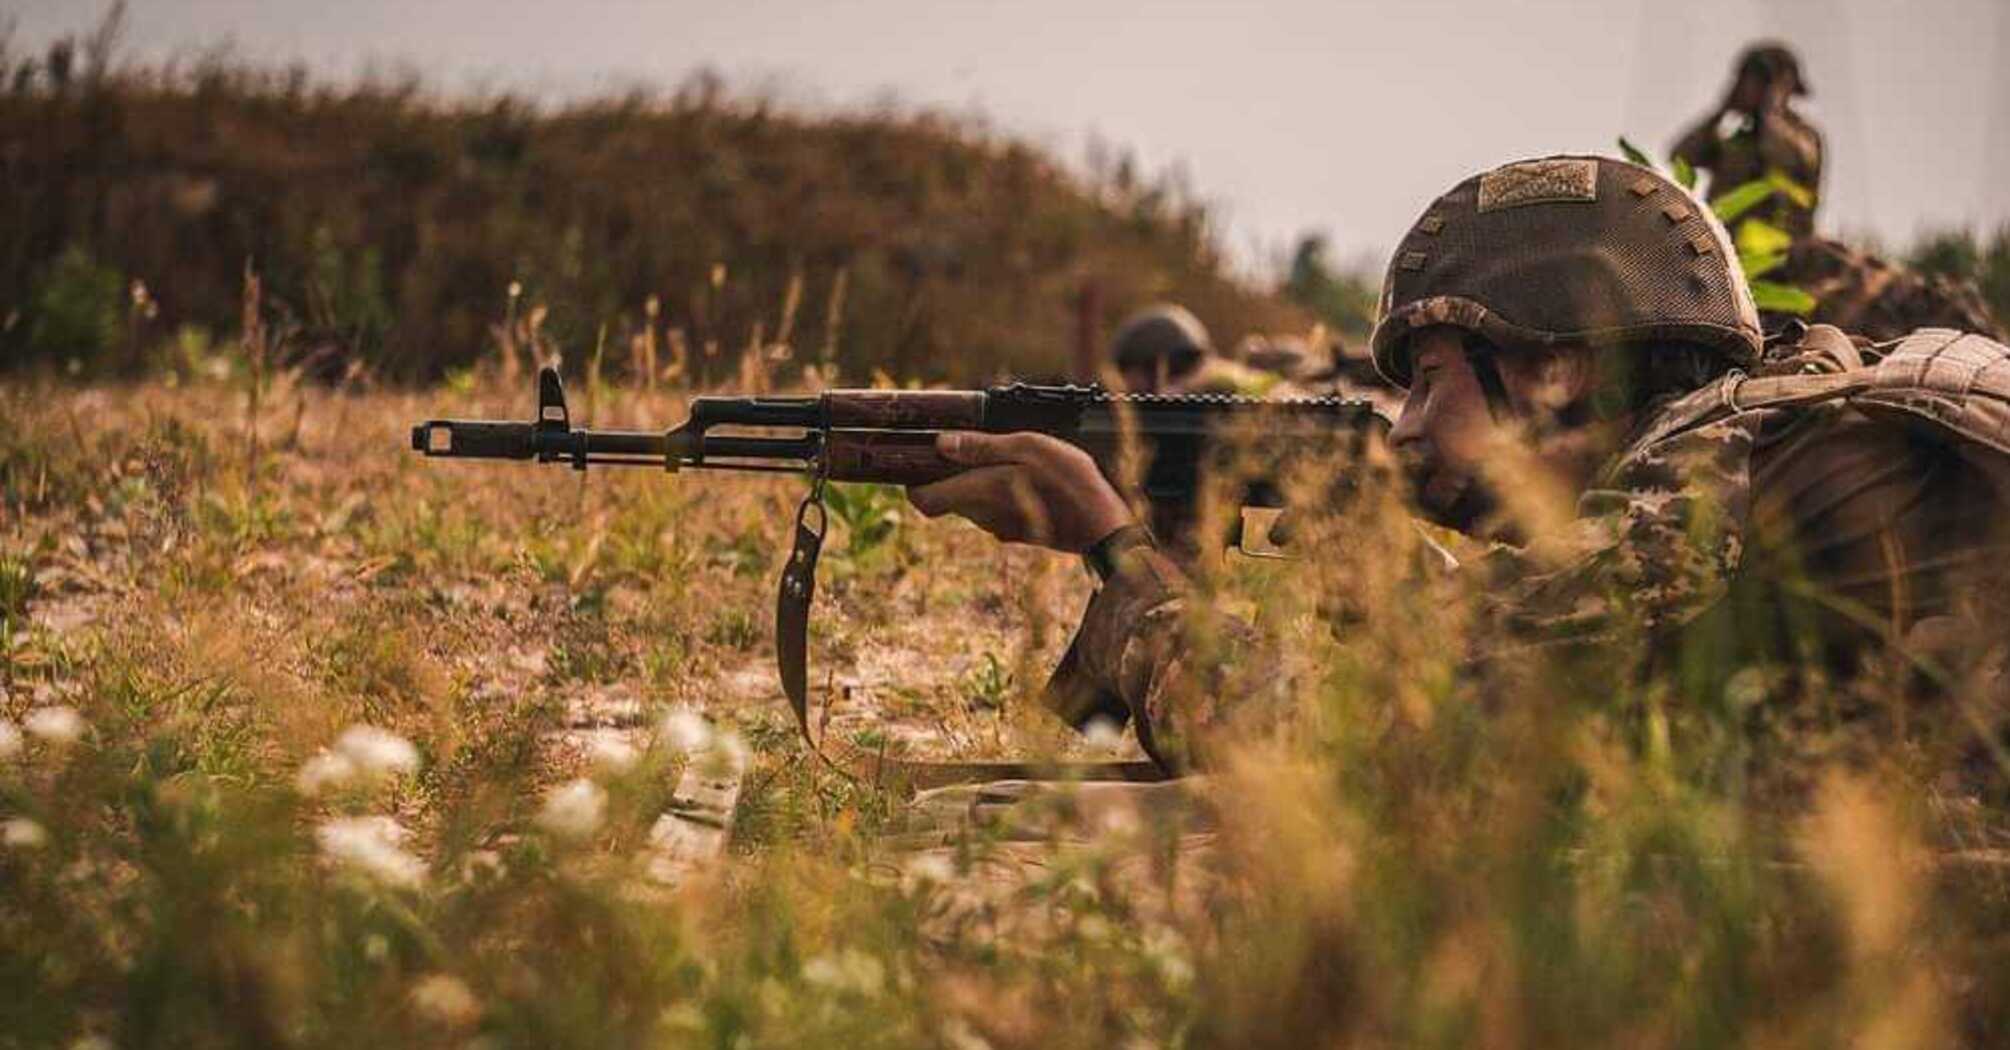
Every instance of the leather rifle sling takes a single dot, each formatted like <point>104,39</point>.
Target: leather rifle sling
<point>792,632</point>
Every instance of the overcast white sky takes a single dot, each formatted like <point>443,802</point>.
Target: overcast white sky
<point>1339,116</point>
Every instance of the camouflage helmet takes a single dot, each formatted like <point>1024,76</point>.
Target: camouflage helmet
<point>1162,331</point>
<point>1567,250</point>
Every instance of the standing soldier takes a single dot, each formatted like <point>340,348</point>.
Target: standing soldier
<point>1817,506</point>
<point>1764,138</point>
<point>1756,135</point>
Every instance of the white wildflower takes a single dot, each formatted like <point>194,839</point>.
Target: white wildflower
<point>685,1016</point>
<point>850,971</point>
<point>22,833</point>
<point>726,757</point>
<point>326,770</point>
<point>684,729</point>
<point>1117,821</point>
<point>373,846</point>
<point>10,739</point>
<point>1747,688</point>
<point>1093,928</point>
<point>446,999</point>
<point>1168,951</point>
<point>611,754</point>
<point>377,752</point>
<point>58,726</point>
<point>823,970</point>
<point>958,1035</point>
<point>930,867</point>
<point>573,810</point>
<point>1103,734</point>
<point>482,865</point>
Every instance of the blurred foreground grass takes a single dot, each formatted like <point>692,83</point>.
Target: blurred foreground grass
<point>292,754</point>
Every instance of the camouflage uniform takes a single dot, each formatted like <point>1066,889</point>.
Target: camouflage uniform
<point>1870,296</point>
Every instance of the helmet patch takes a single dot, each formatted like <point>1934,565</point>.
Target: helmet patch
<point>1539,182</point>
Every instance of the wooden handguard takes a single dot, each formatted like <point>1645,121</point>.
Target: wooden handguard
<point>904,409</point>
<point>886,457</point>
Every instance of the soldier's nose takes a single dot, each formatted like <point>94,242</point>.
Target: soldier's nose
<point>1407,432</point>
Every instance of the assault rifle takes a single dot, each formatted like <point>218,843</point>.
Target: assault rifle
<point>888,437</point>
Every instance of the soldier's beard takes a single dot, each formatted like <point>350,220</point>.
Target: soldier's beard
<point>1458,499</point>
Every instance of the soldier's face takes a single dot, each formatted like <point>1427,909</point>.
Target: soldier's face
<point>1445,430</point>
<point>1146,379</point>
<point>1750,93</point>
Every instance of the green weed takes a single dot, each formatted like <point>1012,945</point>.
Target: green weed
<point>17,587</point>
<point>869,514</point>
<point>734,629</point>
<point>989,683</point>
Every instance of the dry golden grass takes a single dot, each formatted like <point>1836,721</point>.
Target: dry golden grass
<point>1408,859</point>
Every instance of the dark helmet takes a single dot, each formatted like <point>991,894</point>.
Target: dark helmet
<point>1771,61</point>
<point>1567,250</point>
<point>1162,331</point>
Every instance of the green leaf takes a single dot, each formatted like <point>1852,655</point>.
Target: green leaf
<point>1634,154</point>
<point>1685,174</point>
<point>1761,265</point>
<point>1792,190</point>
<point>1739,200</point>
<point>1782,298</point>
<point>1757,237</point>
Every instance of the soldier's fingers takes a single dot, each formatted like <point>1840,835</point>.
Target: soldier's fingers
<point>972,447</point>
<point>1032,521</point>
<point>961,493</point>
<point>977,448</point>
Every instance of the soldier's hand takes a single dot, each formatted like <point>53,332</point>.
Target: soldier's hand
<point>1025,488</point>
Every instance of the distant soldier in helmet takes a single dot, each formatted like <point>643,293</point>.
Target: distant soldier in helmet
<point>1755,133</point>
<point>1164,349</point>
<point>1826,502</point>
<point>1159,347</point>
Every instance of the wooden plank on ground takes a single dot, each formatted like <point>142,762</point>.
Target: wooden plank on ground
<point>694,832</point>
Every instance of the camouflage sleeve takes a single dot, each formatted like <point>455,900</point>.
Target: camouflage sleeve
<point>1142,642</point>
<point>1655,543</point>
<point>1700,144</point>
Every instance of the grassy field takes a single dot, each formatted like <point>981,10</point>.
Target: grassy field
<point>308,741</point>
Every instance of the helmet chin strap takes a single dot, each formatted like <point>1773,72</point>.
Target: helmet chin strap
<point>1481,355</point>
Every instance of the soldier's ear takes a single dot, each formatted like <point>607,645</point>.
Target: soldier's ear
<point>1559,377</point>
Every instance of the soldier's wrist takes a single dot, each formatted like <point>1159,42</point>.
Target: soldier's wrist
<point>1106,557</point>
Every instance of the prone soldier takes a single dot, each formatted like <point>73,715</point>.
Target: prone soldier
<point>1592,312</point>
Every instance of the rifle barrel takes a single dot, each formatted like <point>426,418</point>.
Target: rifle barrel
<point>487,439</point>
